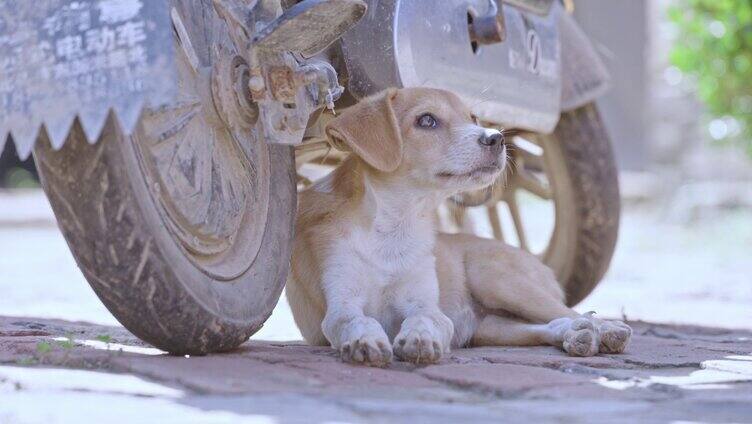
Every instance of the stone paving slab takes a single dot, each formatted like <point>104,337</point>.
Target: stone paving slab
<point>293,382</point>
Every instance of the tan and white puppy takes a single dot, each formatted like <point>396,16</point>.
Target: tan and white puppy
<point>371,276</point>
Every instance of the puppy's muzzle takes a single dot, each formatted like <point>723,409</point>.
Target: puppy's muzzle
<point>491,138</point>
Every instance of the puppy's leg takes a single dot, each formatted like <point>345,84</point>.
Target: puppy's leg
<point>425,333</point>
<point>504,278</point>
<point>577,337</point>
<point>358,338</point>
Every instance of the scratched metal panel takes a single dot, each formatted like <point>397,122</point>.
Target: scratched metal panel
<point>516,83</point>
<point>62,59</point>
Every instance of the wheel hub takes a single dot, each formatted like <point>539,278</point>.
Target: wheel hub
<point>209,170</point>
<point>232,97</point>
<point>206,156</point>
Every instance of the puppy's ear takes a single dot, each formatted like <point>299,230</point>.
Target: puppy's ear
<point>370,130</point>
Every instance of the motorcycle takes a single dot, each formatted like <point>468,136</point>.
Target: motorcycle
<point>168,135</point>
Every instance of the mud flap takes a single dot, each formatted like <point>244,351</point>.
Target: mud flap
<point>67,59</point>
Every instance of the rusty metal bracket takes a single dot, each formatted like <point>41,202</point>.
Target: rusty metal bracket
<point>310,26</point>
<point>283,80</point>
<point>489,28</point>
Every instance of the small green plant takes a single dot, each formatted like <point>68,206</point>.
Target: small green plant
<point>44,348</point>
<point>104,338</point>
<point>27,361</point>
<point>19,178</point>
<point>68,343</point>
<point>714,46</point>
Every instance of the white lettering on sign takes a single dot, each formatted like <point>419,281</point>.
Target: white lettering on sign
<point>115,11</point>
<point>131,33</point>
<point>100,40</point>
<point>70,47</point>
<point>85,46</point>
<point>74,17</point>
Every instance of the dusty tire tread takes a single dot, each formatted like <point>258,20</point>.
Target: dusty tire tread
<point>92,198</point>
<point>592,169</point>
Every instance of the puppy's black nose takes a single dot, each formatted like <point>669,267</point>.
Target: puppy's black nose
<point>491,139</point>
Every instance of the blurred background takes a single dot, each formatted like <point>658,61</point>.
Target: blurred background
<point>680,118</point>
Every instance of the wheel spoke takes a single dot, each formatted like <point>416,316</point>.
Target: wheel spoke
<point>185,40</point>
<point>457,215</point>
<point>514,210</point>
<point>177,126</point>
<point>493,217</point>
<point>460,218</point>
<point>525,180</point>
<point>168,121</point>
<point>531,139</point>
<point>529,160</point>
<point>190,105</point>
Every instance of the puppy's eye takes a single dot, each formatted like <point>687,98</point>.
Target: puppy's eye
<point>427,121</point>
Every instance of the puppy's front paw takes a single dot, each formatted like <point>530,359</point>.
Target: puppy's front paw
<point>419,347</point>
<point>614,336</point>
<point>367,350</point>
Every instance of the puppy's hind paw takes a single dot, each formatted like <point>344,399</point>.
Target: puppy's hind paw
<point>614,336</point>
<point>581,339</point>
<point>367,351</point>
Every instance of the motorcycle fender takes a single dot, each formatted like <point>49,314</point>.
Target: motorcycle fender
<point>584,75</point>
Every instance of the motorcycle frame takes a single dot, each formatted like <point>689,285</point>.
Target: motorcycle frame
<point>544,65</point>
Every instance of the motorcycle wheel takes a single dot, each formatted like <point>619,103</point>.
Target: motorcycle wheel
<point>183,229</point>
<point>574,169</point>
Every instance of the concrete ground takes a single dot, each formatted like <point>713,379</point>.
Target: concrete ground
<point>55,371</point>
<point>668,268</point>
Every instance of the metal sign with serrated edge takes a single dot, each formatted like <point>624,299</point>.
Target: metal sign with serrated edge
<point>62,59</point>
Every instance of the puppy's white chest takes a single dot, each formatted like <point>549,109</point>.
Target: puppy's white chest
<point>394,249</point>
